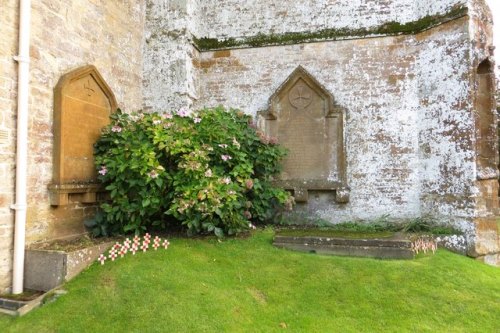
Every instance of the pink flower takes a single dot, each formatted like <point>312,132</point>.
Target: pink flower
<point>273,140</point>
<point>226,180</point>
<point>103,170</point>
<point>167,116</point>
<point>249,184</point>
<point>183,112</point>
<point>116,129</point>
<point>166,243</point>
<point>226,157</point>
<point>197,120</point>
<point>223,145</point>
<point>248,215</point>
<point>167,125</point>
<point>208,173</point>
<point>153,174</point>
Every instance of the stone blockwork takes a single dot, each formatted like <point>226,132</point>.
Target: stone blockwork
<point>64,35</point>
<point>235,18</point>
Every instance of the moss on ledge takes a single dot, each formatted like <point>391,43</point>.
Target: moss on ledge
<point>387,29</point>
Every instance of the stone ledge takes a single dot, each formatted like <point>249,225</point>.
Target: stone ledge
<point>387,29</point>
<point>64,194</point>
<point>373,248</point>
<point>20,308</point>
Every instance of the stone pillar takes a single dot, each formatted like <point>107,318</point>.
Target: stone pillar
<point>168,75</point>
<point>486,244</point>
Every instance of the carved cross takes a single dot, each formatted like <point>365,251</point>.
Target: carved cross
<point>88,88</point>
<point>300,96</point>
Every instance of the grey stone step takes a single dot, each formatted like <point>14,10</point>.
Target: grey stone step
<point>375,248</point>
<point>10,304</point>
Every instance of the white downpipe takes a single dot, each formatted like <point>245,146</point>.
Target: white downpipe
<point>22,145</point>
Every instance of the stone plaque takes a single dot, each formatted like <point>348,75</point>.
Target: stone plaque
<point>83,104</point>
<point>305,119</point>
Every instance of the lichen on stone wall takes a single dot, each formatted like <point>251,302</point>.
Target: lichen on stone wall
<point>329,34</point>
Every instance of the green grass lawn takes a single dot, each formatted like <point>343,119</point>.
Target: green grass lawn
<point>246,285</point>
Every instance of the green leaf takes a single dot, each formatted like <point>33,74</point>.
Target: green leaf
<point>219,232</point>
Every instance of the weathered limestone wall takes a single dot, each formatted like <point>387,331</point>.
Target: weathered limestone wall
<point>169,79</point>
<point>377,85</point>
<point>446,124</point>
<point>235,18</point>
<point>65,36</point>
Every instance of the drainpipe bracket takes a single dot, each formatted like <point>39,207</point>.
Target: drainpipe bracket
<point>21,59</point>
<point>19,207</point>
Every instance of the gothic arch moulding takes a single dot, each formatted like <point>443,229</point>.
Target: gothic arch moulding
<point>306,120</point>
<point>83,102</point>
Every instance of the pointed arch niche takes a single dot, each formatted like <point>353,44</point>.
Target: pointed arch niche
<point>486,122</point>
<point>83,103</point>
<point>305,119</point>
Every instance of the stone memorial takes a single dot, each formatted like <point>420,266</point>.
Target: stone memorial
<point>305,119</point>
<point>82,106</point>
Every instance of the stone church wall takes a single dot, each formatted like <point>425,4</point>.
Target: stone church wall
<point>377,82</point>
<point>411,127</point>
<point>64,35</point>
<point>234,18</point>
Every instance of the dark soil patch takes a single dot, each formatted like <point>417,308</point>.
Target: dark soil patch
<point>74,244</point>
<point>26,296</point>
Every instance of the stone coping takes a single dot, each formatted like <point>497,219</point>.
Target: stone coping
<point>20,308</point>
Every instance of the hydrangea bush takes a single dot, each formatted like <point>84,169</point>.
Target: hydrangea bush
<point>211,171</point>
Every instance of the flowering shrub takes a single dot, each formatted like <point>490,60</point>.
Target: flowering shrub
<point>210,171</point>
